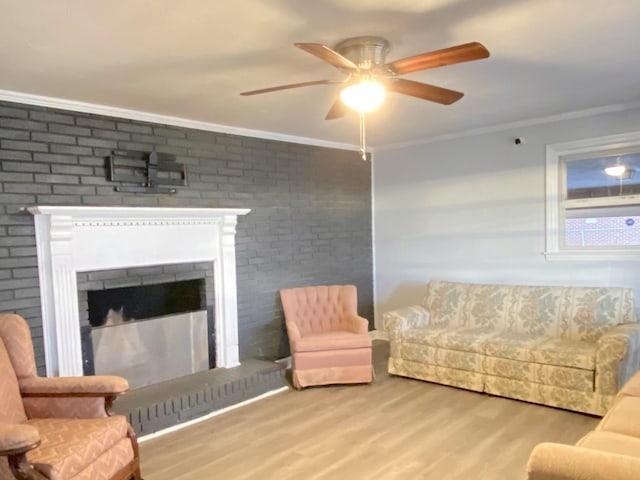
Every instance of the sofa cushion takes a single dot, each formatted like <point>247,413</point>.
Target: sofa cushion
<point>464,339</point>
<point>551,351</point>
<point>580,313</point>
<point>565,353</point>
<point>332,340</point>
<point>536,310</point>
<point>487,306</point>
<point>623,417</point>
<point>591,311</point>
<point>461,339</point>
<point>632,387</point>
<point>514,346</point>
<point>430,355</point>
<point>70,445</point>
<point>445,302</point>
<point>424,336</point>
<point>611,442</point>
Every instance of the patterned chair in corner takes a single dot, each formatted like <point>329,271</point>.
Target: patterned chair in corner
<point>58,428</point>
<point>329,342</point>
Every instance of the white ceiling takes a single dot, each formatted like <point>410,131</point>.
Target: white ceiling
<point>192,58</point>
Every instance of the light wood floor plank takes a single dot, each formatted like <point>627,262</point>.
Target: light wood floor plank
<point>396,428</point>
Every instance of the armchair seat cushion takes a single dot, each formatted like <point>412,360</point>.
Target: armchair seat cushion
<point>331,340</point>
<point>69,446</point>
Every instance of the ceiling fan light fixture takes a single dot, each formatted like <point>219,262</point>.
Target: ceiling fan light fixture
<point>364,96</point>
<point>617,170</point>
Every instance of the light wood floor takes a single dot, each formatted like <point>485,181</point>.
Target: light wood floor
<point>396,428</point>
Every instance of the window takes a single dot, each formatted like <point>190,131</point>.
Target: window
<point>593,198</point>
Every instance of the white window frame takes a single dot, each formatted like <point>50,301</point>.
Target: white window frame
<point>556,202</point>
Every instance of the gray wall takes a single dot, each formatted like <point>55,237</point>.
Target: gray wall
<point>473,209</point>
<point>310,221</point>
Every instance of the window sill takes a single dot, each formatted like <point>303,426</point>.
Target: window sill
<point>590,255</point>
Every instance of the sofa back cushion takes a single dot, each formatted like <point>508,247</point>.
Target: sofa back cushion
<point>445,302</point>
<point>588,312</point>
<point>577,313</point>
<point>11,407</point>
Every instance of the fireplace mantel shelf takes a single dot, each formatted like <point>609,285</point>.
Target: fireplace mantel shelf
<point>80,239</point>
<point>135,212</point>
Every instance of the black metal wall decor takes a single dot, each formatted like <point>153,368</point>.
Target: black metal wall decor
<point>151,172</point>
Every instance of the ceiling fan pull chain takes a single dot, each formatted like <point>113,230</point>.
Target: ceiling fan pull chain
<point>363,146</point>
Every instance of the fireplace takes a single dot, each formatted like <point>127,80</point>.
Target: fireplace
<point>147,324</point>
<point>77,240</point>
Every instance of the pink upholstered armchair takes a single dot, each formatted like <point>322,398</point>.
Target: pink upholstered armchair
<point>329,341</point>
<point>58,428</point>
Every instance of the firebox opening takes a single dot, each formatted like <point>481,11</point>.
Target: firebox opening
<point>151,333</point>
<point>115,306</point>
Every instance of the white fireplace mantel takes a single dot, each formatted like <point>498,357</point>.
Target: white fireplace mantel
<point>82,239</point>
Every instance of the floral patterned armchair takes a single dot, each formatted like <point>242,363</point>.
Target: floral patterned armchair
<point>58,428</point>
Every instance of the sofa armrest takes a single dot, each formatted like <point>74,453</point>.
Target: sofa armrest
<point>553,461</point>
<point>17,438</point>
<point>90,386</point>
<point>397,321</point>
<point>617,357</point>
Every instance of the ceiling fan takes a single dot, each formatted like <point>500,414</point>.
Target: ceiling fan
<point>362,59</point>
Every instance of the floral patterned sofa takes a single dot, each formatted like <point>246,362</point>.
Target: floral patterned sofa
<point>567,347</point>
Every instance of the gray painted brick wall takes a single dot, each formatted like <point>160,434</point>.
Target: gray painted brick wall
<point>310,221</point>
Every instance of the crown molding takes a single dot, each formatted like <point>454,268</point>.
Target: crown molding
<point>589,112</point>
<point>94,108</point>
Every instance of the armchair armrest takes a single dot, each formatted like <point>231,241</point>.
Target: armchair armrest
<point>402,319</point>
<point>16,438</point>
<point>90,386</point>
<point>15,441</point>
<point>71,397</point>
<point>617,357</point>
<point>358,324</point>
<point>552,461</point>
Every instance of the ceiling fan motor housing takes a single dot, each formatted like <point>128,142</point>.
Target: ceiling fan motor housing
<point>366,52</point>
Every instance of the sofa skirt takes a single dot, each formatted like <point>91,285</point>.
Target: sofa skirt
<point>554,396</point>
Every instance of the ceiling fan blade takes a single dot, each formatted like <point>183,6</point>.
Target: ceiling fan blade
<point>439,58</point>
<point>326,54</point>
<point>424,91</point>
<point>337,110</point>
<point>293,85</point>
